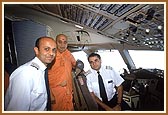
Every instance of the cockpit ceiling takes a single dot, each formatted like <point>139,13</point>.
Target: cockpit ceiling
<point>137,24</point>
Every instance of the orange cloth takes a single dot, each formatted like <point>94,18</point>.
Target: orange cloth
<point>6,81</point>
<point>60,80</point>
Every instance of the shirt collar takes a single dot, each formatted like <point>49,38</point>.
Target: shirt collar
<point>100,70</point>
<point>41,65</point>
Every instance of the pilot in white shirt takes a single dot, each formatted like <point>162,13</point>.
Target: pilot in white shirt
<point>111,97</point>
<point>27,88</point>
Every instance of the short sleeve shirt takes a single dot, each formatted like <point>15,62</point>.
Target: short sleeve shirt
<point>110,77</point>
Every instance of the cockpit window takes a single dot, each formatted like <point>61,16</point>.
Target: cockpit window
<point>148,59</point>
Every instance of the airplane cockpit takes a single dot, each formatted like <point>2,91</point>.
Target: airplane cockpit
<point>119,32</point>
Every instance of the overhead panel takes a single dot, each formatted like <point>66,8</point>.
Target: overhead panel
<point>137,24</point>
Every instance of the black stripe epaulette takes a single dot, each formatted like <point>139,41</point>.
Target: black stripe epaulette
<point>35,65</point>
<point>109,67</point>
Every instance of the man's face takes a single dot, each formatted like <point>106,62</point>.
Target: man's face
<point>46,51</point>
<point>95,63</point>
<point>62,44</point>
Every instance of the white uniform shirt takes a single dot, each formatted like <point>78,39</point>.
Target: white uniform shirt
<point>110,79</point>
<point>27,89</point>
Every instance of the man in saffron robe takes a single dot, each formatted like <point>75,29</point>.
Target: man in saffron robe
<point>60,76</point>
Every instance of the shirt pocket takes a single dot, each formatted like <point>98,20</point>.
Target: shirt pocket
<point>39,96</point>
<point>40,90</point>
<point>109,84</point>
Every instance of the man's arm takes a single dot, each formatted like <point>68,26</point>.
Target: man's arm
<point>120,94</point>
<point>20,92</point>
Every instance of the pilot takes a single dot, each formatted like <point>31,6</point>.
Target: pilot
<point>27,88</point>
<point>109,95</point>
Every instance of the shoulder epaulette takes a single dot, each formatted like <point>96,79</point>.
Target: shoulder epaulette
<point>35,65</point>
<point>109,67</point>
<point>87,72</point>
